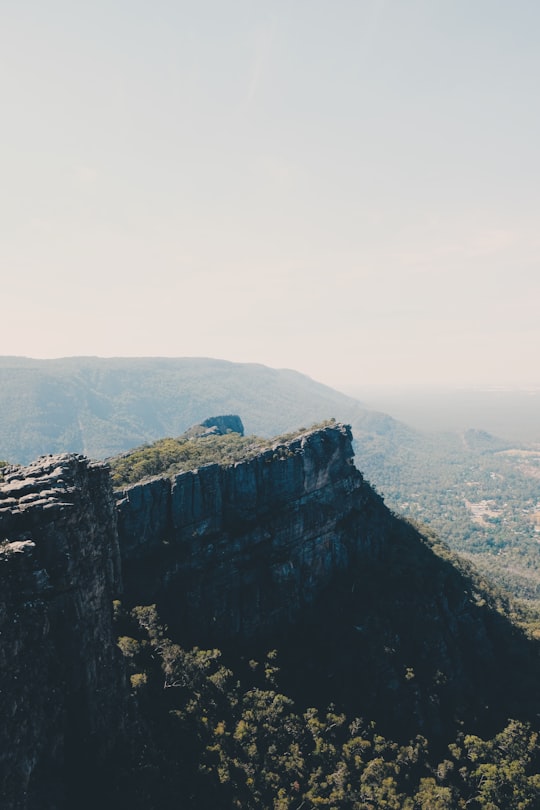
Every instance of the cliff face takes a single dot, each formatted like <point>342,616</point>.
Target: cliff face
<point>293,545</point>
<point>227,553</point>
<point>234,550</point>
<point>60,677</point>
<point>223,550</point>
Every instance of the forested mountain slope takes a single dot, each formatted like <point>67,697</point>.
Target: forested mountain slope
<point>103,406</point>
<point>479,493</point>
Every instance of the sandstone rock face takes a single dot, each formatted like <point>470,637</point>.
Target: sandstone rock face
<point>60,676</point>
<point>231,551</point>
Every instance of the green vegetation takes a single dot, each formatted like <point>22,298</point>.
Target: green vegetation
<point>394,690</point>
<point>192,450</point>
<point>481,495</point>
<point>169,456</point>
<point>220,740</point>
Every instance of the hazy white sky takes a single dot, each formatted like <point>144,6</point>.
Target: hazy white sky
<point>350,188</point>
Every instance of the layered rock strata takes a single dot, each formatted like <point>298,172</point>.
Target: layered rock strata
<point>60,676</point>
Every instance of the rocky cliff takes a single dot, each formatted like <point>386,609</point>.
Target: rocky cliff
<point>233,550</point>
<point>60,678</point>
<point>224,551</point>
<point>290,537</point>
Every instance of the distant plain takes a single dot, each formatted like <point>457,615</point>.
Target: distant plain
<point>510,412</point>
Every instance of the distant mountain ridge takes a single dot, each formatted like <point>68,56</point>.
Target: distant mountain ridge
<point>103,406</point>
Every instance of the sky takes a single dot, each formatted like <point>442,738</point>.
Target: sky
<point>349,188</point>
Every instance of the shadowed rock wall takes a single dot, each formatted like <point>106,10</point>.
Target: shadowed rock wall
<point>60,679</point>
<point>234,550</point>
<point>225,551</point>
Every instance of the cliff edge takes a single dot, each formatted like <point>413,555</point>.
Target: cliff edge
<point>230,551</point>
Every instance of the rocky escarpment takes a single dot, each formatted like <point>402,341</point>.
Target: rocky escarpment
<point>292,537</point>
<point>60,683</point>
<point>225,550</point>
<point>233,550</point>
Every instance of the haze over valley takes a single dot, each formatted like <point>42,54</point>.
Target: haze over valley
<point>508,411</point>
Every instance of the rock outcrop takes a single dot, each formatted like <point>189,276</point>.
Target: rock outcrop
<point>231,423</point>
<point>61,681</point>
